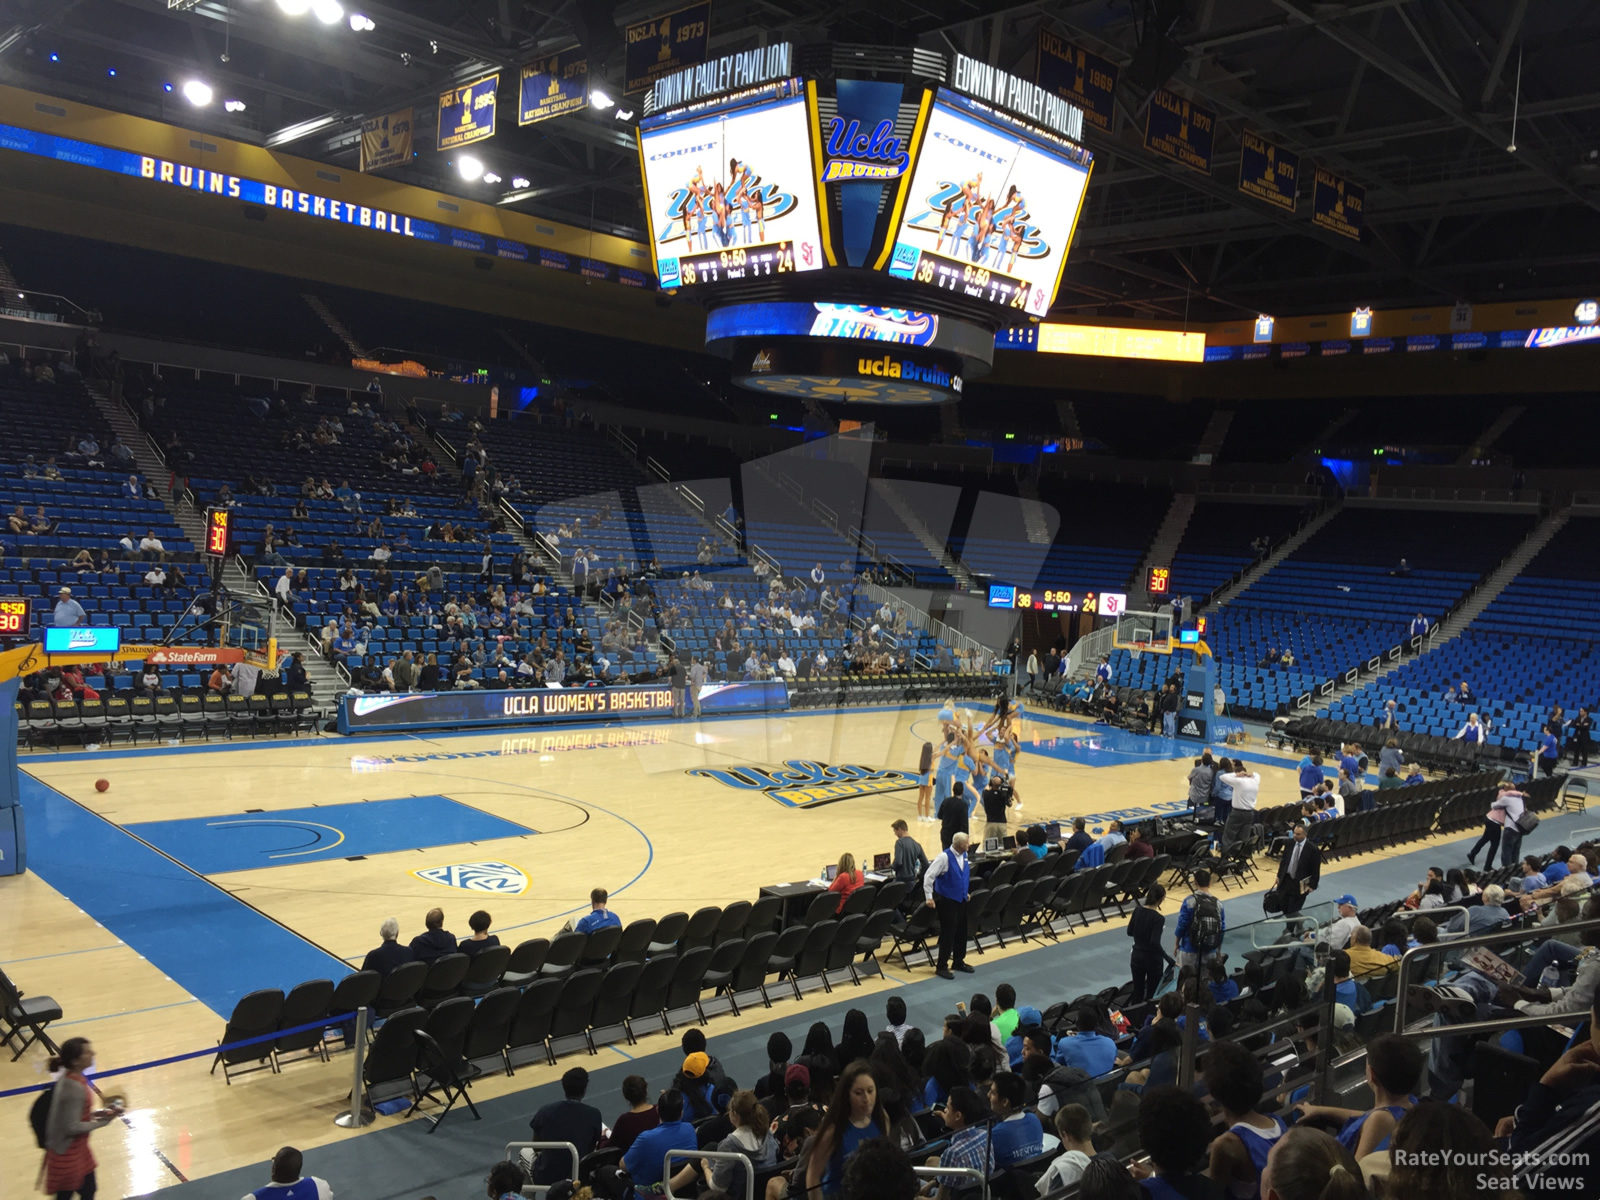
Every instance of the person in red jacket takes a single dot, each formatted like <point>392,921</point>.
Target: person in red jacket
<point>847,880</point>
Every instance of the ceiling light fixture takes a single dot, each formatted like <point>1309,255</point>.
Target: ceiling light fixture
<point>1516,103</point>
<point>197,93</point>
<point>491,177</point>
<point>520,181</point>
<point>471,168</point>
<point>234,105</point>
<point>599,99</point>
<point>329,12</point>
<point>622,114</point>
<point>295,8</point>
<point>362,23</point>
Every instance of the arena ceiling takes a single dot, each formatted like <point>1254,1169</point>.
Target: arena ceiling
<point>1412,99</point>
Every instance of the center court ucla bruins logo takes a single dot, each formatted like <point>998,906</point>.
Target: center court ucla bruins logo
<point>801,783</point>
<point>500,878</point>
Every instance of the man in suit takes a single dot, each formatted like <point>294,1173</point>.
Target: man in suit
<point>1299,871</point>
<point>390,953</point>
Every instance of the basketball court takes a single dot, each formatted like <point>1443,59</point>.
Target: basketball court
<point>205,872</point>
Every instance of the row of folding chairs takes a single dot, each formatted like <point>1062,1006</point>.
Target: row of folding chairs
<point>549,1005</point>
<point>183,716</point>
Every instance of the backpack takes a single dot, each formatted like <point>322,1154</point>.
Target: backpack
<point>39,1115</point>
<point>1205,927</point>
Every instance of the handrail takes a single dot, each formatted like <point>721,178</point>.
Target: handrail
<point>656,469</point>
<point>1505,938</point>
<point>514,1152</point>
<point>749,1171</point>
<point>972,1173</point>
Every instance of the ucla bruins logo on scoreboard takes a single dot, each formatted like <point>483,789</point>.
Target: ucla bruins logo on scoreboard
<point>801,783</point>
<point>500,878</point>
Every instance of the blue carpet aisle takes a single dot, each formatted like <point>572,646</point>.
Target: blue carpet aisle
<point>405,1163</point>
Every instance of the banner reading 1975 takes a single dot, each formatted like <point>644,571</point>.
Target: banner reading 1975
<point>662,45</point>
<point>553,86</point>
<point>466,114</point>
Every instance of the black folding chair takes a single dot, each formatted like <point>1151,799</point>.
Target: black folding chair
<point>449,1074</point>
<point>25,1017</point>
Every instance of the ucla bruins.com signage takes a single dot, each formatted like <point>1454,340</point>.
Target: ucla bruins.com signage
<point>802,783</point>
<point>663,45</point>
<point>862,374</point>
<point>553,86</point>
<point>386,140</point>
<point>467,114</point>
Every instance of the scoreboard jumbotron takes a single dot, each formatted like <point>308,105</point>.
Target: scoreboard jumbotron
<point>928,213</point>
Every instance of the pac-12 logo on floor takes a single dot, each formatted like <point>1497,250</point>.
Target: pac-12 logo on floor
<point>500,878</point>
<point>801,783</point>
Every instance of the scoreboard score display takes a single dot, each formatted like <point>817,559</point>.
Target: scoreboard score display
<point>16,616</point>
<point>219,531</point>
<point>1107,604</point>
<point>737,262</point>
<point>1158,581</point>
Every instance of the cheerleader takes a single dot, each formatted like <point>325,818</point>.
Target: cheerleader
<point>925,783</point>
<point>1006,751</point>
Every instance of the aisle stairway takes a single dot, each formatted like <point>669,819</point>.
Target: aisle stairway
<point>1164,545</point>
<point>1289,545</point>
<point>934,546</point>
<point>327,683</point>
<point>339,329</point>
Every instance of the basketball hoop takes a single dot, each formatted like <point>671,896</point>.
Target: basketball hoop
<point>1136,649</point>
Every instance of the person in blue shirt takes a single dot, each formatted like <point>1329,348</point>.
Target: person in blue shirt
<point>1310,774</point>
<point>855,1115</point>
<point>1188,953</point>
<point>1175,1130</point>
<point>289,1184</point>
<point>1549,752</point>
<point>600,917</point>
<point>644,1158</point>
<point>1027,1018</point>
<point>1222,988</point>
<point>1239,1155</point>
<point>1394,1064</point>
<point>1017,1136</point>
<point>1347,991</point>
<point>1103,671</point>
<point>1088,1049</point>
<point>1419,626</point>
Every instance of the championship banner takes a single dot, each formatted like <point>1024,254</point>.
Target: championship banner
<point>1179,129</point>
<point>1268,172</point>
<point>662,45</point>
<point>553,86</point>
<point>1337,204</point>
<point>386,140</point>
<point>1087,80</point>
<point>466,114</point>
<point>541,706</point>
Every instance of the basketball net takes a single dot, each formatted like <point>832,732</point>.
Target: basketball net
<point>1136,649</point>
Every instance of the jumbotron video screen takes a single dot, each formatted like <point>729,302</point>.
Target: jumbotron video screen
<point>991,207</point>
<point>731,189</point>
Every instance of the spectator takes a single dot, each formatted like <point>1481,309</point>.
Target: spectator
<point>1394,1066</point>
<point>880,1170</point>
<point>1087,1048</point>
<point>1175,1130</point>
<point>640,1117</point>
<point>566,1120</point>
<point>1239,1156</point>
<point>435,941</point>
<point>150,546</point>
<point>599,916</point>
<point>1246,786</point>
<point>481,938</point>
<point>1364,960</point>
<point>965,1118</point>
<point>855,1116</point>
<point>953,814</point>
<point>390,953</point>
<point>750,1137</point>
<point>1307,1164</point>
<point>779,1051</point>
<point>220,682</point>
<point>1080,839</point>
<point>644,1157</point>
<point>149,683</point>
<point>1201,922</point>
<point>68,613</point>
<point>287,1183</point>
<point>910,860</point>
<point>1484,917</point>
<point>1017,1136</point>
<point>1562,1111</point>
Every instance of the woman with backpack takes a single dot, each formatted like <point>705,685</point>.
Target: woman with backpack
<point>69,1118</point>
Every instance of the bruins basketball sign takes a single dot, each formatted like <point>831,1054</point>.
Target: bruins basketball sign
<point>801,783</point>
